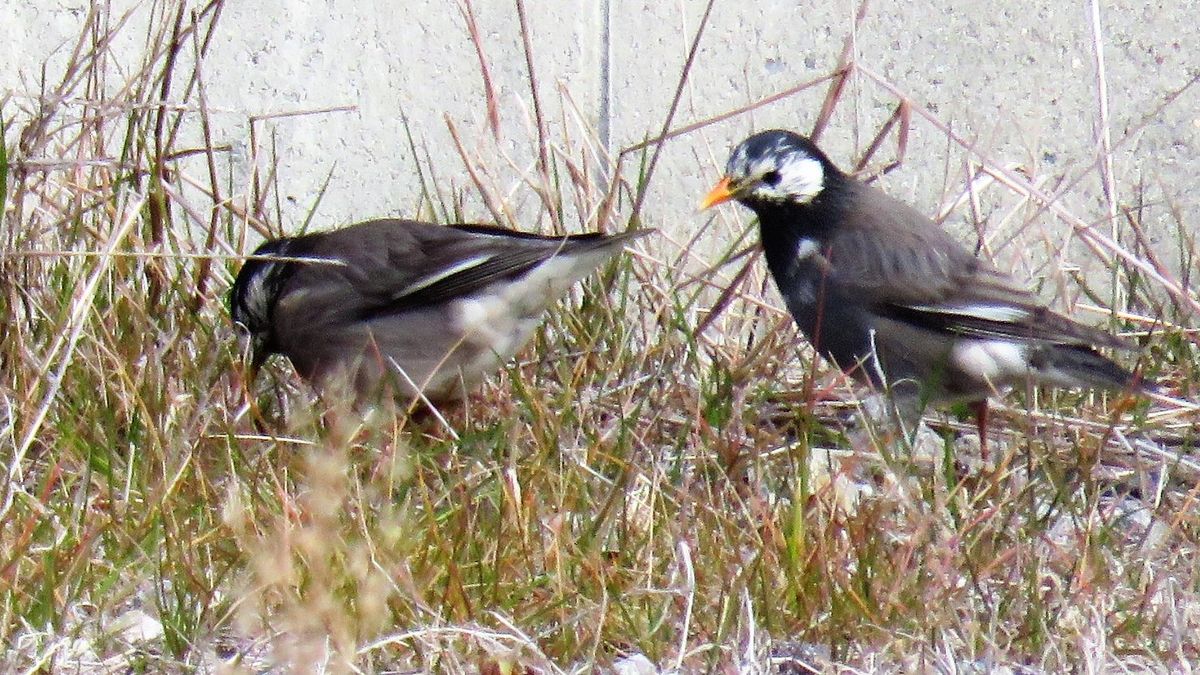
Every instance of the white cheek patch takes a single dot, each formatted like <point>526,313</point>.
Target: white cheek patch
<point>257,299</point>
<point>801,179</point>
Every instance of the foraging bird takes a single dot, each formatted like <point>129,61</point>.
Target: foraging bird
<point>428,310</point>
<point>891,298</point>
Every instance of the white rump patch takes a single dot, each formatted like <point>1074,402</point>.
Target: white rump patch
<point>501,318</point>
<point>552,278</point>
<point>993,361</point>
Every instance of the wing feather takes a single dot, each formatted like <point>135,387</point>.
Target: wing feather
<point>394,266</point>
<point>921,275</point>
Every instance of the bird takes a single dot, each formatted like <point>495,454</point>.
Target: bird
<point>892,299</point>
<point>423,310</point>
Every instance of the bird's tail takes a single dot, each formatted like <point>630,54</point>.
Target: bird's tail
<point>1080,366</point>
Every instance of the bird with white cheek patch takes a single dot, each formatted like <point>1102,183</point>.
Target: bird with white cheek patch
<point>892,299</point>
<point>411,309</point>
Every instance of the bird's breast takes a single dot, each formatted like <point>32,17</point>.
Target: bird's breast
<point>798,272</point>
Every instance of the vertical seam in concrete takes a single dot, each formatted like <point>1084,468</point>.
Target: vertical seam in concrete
<point>604,109</point>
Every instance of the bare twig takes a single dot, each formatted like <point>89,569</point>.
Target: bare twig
<point>489,90</point>
<point>202,270</point>
<point>469,165</point>
<point>767,100</point>
<point>683,78</point>
<point>843,71</point>
<point>539,119</point>
<point>1103,130</point>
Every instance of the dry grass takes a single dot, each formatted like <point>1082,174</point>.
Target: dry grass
<point>634,485</point>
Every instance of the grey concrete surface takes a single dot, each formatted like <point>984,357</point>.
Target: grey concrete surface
<point>1018,79</point>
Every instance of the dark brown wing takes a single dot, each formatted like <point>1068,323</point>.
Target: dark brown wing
<point>916,272</point>
<point>389,266</point>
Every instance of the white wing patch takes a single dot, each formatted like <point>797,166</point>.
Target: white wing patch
<point>997,313</point>
<point>444,273</point>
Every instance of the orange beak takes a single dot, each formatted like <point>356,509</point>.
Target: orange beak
<point>718,195</point>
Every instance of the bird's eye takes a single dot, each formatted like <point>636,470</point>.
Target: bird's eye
<point>771,178</point>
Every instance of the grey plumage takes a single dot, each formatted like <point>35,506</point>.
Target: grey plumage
<point>419,308</point>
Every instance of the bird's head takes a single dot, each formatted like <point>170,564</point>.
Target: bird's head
<point>253,295</point>
<point>773,168</point>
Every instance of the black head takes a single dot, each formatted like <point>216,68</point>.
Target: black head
<point>252,298</point>
<point>774,167</point>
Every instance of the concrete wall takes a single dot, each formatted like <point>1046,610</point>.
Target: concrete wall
<point>1017,78</point>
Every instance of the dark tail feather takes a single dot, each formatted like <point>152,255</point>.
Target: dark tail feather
<point>1078,366</point>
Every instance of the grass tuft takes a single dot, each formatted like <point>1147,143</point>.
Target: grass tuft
<point>663,475</point>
